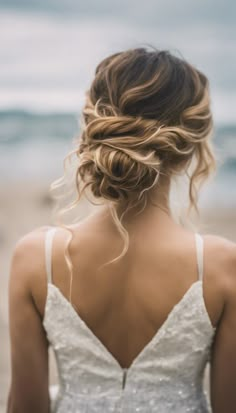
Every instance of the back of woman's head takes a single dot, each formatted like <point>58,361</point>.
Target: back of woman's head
<point>146,118</point>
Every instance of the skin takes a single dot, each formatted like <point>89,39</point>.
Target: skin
<point>124,302</point>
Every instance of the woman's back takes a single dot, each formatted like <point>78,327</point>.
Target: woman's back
<point>139,334</point>
<point>128,301</point>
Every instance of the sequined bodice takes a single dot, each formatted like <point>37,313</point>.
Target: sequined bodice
<point>166,375</point>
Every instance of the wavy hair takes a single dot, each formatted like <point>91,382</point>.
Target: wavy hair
<point>147,116</point>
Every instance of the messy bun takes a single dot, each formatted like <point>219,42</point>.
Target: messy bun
<point>118,158</point>
<point>146,116</point>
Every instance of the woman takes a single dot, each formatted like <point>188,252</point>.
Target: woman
<point>134,303</point>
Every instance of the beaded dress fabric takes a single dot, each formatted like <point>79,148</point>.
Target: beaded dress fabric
<point>166,376</point>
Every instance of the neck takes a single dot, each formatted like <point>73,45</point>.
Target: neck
<point>156,211</point>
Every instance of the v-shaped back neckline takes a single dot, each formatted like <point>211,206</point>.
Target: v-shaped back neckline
<point>155,338</point>
<point>161,330</point>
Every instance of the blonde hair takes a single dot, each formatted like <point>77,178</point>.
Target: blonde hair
<point>147,116</point>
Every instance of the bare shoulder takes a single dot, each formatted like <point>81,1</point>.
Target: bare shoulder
<point>28,265</point>
<point>29,252</point>
<point>26,259</point>
<point>221,248</point>
<point>28,249</point>
<point>220,261</point>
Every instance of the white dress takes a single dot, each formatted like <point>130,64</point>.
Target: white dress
<point>166,376</point>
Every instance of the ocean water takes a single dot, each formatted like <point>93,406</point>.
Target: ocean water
<point>48,53</point>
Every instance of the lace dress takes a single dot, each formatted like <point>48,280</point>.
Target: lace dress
<point>166,376</point>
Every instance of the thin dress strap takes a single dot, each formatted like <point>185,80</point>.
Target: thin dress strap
<point>48,252</point>
<point>199,250</point>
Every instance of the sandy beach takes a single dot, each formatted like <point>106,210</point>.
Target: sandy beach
<point>24,207</point>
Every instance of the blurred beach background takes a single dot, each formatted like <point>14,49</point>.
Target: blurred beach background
<point>48,53</point>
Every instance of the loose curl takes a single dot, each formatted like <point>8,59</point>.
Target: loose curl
<point>147,116</point>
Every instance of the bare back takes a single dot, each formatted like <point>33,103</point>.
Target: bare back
<point>127,302</point>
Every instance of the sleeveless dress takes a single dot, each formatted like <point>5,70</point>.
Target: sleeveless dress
<point>166,376</point>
